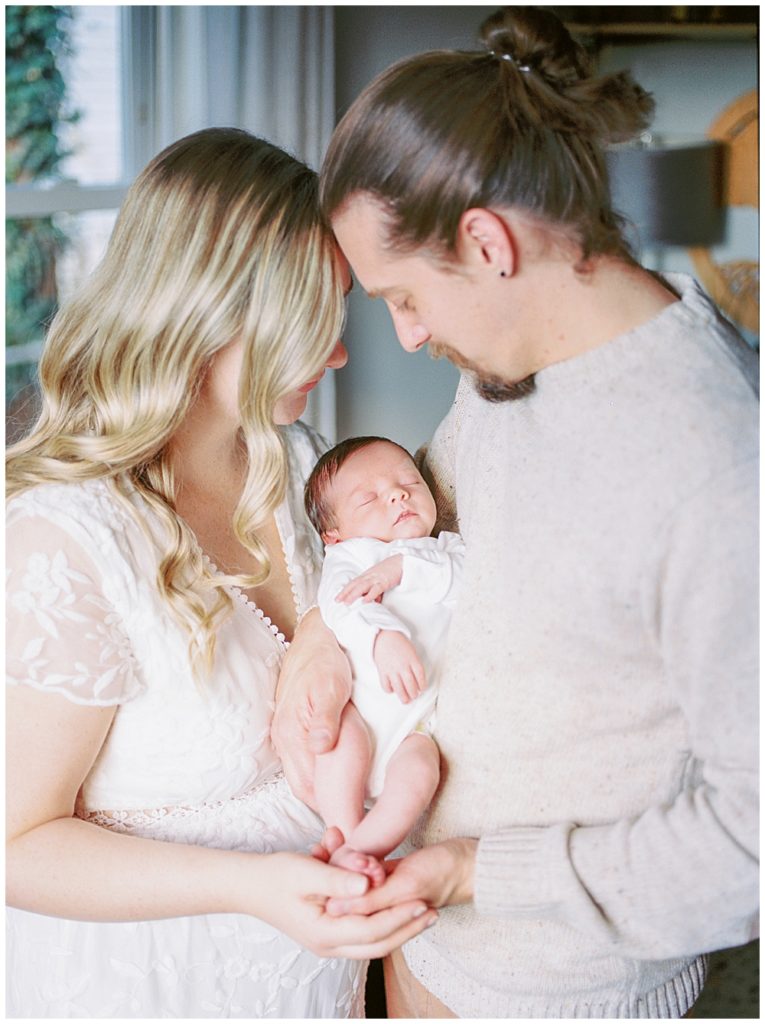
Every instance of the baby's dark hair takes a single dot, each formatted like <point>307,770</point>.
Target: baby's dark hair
<point>316,494</point>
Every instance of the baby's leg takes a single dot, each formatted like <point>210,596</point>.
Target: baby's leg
<point>340,776</point>
<point>340,779</point>
<point>411,778</point>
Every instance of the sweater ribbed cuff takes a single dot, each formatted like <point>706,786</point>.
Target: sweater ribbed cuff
<point>512,872</point>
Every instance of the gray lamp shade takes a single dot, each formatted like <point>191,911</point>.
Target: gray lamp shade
<point>671,193</point>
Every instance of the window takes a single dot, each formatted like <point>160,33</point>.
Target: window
<point>66,167</point>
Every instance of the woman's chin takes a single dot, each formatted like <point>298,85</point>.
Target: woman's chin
<point>289,409</point>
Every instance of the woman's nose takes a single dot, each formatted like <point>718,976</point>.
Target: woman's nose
<point>338,357</point>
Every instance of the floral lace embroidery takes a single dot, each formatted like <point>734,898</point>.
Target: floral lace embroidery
<point>50,596</point>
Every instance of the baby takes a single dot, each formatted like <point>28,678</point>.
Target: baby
<point>387,591</point>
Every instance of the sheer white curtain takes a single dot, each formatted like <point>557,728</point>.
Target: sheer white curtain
<point>267,69</point>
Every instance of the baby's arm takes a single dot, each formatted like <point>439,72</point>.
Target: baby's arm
<point>372,584</point>
<point>370,622</point>
<point>399,665</point>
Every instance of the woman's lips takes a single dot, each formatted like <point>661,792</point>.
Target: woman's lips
<point>310,385</point>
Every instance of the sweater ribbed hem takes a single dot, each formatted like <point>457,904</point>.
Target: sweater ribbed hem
<point>465,997</point>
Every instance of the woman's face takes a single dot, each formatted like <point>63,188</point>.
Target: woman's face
<point>221,384</point>
<point>292,406</point>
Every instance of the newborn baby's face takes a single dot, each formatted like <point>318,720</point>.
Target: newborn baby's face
<point>378,492</point>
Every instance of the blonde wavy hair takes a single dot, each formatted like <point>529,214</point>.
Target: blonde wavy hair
<point>218,239</point>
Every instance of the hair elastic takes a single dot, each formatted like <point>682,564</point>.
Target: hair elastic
<point>509,57</point>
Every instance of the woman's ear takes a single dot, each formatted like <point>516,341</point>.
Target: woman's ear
<point>485,240</point>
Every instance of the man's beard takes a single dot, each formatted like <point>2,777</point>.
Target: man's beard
<point>489,387</point>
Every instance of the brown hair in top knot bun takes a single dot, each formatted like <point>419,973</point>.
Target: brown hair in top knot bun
<point>521,124</point>
<point>536,39</point>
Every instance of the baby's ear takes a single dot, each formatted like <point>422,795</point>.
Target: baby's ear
<point>330,537</point>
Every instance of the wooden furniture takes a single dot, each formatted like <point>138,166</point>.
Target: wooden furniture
<point>734,285</point>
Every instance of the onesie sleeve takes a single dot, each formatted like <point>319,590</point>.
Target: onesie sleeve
<point>355,625</point>
<point>62,635</point>
<point>681,878</point>
<point>433,570</point>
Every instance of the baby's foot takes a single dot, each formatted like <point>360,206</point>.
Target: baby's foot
<point>363,863</point>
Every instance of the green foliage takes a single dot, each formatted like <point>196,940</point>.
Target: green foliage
<point>36,46</point>
<point>36,43</point>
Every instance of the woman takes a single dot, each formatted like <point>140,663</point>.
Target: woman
<point>596,829</point>
<point>158,566</point>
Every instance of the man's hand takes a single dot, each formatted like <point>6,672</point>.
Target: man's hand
<point>293,899</point>
<point>372,584</point>
<point>400,668</point>
<point>314,687</point>
<point>439,875</point>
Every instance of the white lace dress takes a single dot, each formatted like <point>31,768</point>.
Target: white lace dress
<point>181,763</point>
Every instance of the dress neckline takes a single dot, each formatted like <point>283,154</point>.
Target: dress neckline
<point>239,593</point>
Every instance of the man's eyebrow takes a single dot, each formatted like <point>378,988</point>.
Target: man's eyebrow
<point>381,293</point>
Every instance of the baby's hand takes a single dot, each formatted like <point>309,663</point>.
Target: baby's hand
<point>373,583</point>
<point>400,669</point>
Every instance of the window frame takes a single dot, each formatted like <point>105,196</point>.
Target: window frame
<point>43,199</point>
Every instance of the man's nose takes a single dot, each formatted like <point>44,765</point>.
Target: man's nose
<point>412,336</point>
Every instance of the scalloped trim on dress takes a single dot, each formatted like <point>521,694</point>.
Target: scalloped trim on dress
<point>240,594</point>
<point>279,514</point>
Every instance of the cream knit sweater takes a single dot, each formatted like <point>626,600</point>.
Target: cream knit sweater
<point>598,709</point>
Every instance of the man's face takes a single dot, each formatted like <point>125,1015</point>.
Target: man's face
<point>449,309</point>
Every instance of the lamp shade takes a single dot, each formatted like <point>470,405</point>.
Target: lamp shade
<point>670,192</point>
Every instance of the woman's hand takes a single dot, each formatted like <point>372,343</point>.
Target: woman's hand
<point>314,687</point>
<point>372,584</point>
<point>440,875</point>
<point>292,894</point>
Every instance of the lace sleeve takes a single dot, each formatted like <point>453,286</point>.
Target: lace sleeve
<point>62,635</point>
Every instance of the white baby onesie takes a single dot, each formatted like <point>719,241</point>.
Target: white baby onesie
<point>419,607</point>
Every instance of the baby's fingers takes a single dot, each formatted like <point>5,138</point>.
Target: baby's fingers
<point>352,591</point>
<point>402,687</point>
<point>419,676</point>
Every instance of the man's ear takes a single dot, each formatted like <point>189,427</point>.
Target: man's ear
<point>485,240</point>
<point>330,537</point>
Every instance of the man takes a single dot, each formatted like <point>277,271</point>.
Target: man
<point>596,831</point>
